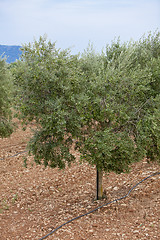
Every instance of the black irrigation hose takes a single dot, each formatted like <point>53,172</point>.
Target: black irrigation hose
<point>13,155</point>
<point>85,214</point>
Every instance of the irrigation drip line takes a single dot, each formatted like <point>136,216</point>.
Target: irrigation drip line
<point>14,155</point>
<point>85,214</point>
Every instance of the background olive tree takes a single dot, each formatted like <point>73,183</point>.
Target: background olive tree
<point>107,103</point>
<point>48,88</point>
<point>6,88</point>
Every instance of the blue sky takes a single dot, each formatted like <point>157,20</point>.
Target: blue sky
<point>73,23</point>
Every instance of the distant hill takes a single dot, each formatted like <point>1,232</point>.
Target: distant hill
<point>12,53</point>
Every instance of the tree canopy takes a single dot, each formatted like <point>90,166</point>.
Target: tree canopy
<point>105,105</point>
<point>123,107</point>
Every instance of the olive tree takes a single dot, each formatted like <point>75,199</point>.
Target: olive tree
<point>123,108</point>
<point>6,126</point>
<point>107,103</point>
<point>48,89</point>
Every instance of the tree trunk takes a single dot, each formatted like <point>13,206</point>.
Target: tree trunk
<point>99,193</point>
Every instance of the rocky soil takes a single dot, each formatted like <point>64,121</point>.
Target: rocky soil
<point>35,200</point>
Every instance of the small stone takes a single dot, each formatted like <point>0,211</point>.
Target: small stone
<point>94,225</point>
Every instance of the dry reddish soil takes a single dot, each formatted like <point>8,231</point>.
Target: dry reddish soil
<point>35,200</point>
